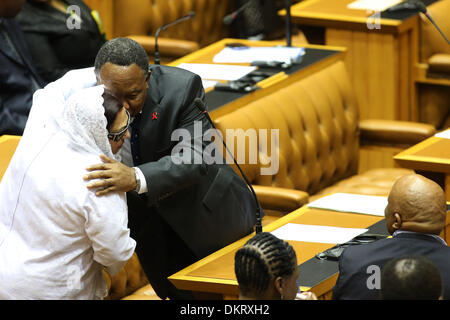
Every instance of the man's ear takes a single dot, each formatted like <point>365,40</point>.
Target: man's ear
<point>147,78</point>
<point>397,221</point>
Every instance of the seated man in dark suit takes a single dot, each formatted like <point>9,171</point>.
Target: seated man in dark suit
<point>18,77</point>
<point>411,278</point>
<point>415,216</point>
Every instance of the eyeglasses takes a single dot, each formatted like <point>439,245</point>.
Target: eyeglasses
<point>116,136</point>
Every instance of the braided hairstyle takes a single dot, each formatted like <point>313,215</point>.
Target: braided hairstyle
<point>262,259</point>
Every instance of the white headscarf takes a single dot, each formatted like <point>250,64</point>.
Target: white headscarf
<point>84,121</point>
<point>73,105</point>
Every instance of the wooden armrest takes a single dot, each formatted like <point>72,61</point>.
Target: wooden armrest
<point>280,199</point>
<point>167,46</point>
<point>394,133</point>
<point>439,64</point>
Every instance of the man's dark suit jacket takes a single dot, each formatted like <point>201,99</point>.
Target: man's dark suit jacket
<point>207,206</point>
<point>355,260</point>
<point>16,90</point>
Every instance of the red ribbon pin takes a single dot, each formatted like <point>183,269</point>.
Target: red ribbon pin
<point>155,116</point>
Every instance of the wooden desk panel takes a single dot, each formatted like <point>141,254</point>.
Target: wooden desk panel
<point>215,273</point>
<point>439,149</point>
<point>430,155</point>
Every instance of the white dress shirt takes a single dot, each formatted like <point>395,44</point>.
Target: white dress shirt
<point>127,159</point>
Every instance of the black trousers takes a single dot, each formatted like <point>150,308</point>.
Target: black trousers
<point>160,250</point>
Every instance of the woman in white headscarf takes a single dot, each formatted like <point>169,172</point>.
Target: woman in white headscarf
<point>55,234</point>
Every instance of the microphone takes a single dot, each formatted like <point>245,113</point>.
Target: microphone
<point>258,226</point>
<point>190,15</point>
<point>419,6</point>
<point>229,18</point>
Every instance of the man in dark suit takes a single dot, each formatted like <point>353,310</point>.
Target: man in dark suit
<point>182,209</point>
<point>415,216</point>
<point>18,77</point>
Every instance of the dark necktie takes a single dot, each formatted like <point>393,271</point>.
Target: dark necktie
<point>134,141</point>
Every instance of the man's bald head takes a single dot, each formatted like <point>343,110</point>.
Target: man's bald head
<point>416,204</point>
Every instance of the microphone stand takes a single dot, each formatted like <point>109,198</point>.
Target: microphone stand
<point>417,5</point>
<point>436,26</point>
<point>258,224</point>
<point>190,15</point>
<point>157,58</point>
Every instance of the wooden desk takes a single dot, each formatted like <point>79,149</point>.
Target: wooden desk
<point>215,273</point>
<point>269,85</point>
<point>381,62</point>
<point>381,53</point>
<point>431,158</point>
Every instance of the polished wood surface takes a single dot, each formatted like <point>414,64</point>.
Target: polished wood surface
<point>432,155</point>
<point>269,85</point>
<point>215,273</point>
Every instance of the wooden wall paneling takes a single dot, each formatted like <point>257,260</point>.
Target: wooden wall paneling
<point>372,158</point>
<point>360,85</point>
<point>341,38</point>
<point>388,97</point>
<point>413,100</point>
<point>404,76</point>
<point>374,78</point>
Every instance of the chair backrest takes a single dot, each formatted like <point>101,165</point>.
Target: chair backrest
<point>8,145</point>
<point>144,17</point>
<point>317,122</point>
<point>431,41</point>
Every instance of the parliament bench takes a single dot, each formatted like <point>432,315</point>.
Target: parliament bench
<point>320,138</point>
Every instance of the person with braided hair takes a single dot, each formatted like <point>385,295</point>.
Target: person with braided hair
<point>266,269</point>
